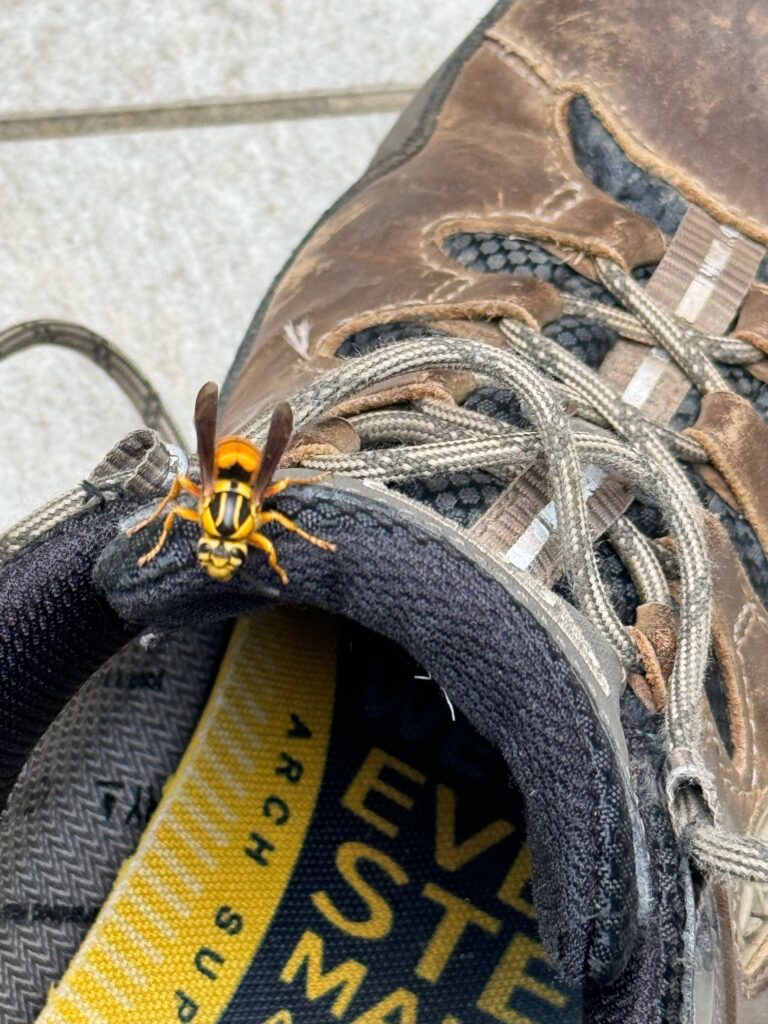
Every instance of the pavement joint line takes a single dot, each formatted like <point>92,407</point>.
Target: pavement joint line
<point>203,113</point>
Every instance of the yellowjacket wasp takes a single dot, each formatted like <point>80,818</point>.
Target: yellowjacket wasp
<point>235,480</point>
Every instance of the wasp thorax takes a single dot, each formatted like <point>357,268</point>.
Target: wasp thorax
<point>221,558</point>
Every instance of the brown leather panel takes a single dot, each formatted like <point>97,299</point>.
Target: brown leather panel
<point>473,330</point>
<point>759,370</point>
<point>752,325</point>
<point>740,632</point>
<point>438,385</point>
<point>716,482</point>
<point>715,996</point>
<point>328,436</point>
<point>494,162</point>
<point>682,87</point>
<point>735,437</point>
<point>655,636</point>
<point>276,371</point>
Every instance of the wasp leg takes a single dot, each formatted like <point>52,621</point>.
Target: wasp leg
<point>288,524</point>
<point>290,481</point>
<point>258,540</point>
<point>184,513</point>
<point>181,483</point>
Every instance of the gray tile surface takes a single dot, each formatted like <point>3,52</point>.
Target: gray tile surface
<point>74,53</point>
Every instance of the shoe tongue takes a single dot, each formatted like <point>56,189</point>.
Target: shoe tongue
<point>527,671</point>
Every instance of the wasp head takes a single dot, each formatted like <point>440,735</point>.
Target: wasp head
<point>221,558</point>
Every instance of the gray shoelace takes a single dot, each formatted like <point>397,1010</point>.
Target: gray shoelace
<point>433,438</point>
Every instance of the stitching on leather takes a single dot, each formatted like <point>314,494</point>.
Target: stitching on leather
<point>411,304</point>
<point>530,55</point>
<point>494,307</point>
<point>566,165</point>
<point>446,290</point>
<point>431,251</point>
<point>455,295</point>
<point>741,797</point>
<point>760,810</point>
<point>754,978</point>
<point>712,743</point>
<point>643,153</point>
<point>529,226</point>
<point>576,192</point>
<point>521,68</point>
<point>758,975</point>
<point>723,463</point>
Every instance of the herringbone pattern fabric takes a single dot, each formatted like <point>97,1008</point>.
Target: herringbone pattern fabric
<point>83,800</point>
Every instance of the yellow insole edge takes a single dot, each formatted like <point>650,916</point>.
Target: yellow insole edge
<point>189,910</point>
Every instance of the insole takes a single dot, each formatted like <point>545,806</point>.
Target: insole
<point>337,844</point>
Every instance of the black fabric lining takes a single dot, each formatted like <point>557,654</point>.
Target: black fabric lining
<point>372,338</point>
<point>718,702</point>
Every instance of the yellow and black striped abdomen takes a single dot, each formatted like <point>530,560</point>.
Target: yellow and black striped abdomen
<point>228,512</point>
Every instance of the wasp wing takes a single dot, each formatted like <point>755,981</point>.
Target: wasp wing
<point>278,438</point>
<point>206,410</point>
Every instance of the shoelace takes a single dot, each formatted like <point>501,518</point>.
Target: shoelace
<point>434,438</point>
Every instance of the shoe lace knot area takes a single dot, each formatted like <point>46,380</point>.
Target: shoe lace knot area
<point>580,428</point>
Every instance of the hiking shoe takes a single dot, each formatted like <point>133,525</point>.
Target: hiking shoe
<point>474,727</point>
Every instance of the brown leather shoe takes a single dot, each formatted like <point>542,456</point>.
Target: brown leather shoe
<point>528,347</point>
<point>631,137</point>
